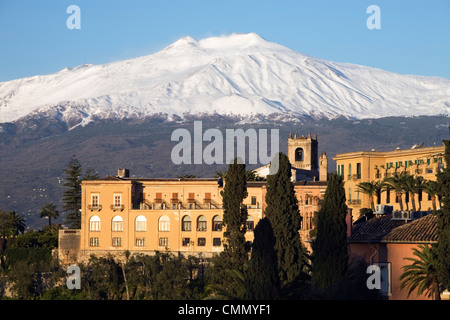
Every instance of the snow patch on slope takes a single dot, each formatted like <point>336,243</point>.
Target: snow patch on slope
<point>239,74</point>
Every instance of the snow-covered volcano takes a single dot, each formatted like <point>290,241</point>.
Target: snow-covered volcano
<point>239,74</point>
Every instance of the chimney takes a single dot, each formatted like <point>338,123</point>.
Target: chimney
<point>349,222</point>
<point>123,173</point>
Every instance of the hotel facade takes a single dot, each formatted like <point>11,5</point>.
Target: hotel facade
<point>120,214</point>
<point>365,166</point>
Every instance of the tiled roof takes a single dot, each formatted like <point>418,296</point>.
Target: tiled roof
<point>374,229</point>
<point>420,230</point>
<point>386,230</point>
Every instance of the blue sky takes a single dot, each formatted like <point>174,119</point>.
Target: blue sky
<point>414,37</point>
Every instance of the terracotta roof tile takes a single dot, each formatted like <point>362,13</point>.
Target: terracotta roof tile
<point>374,229</point>
<point>385,230</point>
<point>420,230</point>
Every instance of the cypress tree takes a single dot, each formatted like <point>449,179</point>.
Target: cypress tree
<point>282,211</point>
<point>330,255</point>
<point>443,221</point>
<point>235,215</point>
<point>72,194</point>
<point>262,281</point>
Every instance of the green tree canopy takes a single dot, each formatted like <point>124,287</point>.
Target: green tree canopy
<point>235,215</point>
<point>330,258</point>
<point>443,223</point>
<point>50,212</point>
<point>422,274</point>
<point>262,280</point>
<point>72,194</point>
<point>282,212</point>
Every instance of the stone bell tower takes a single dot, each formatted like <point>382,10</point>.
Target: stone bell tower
<point>323,167</point>
<point>303,156</point>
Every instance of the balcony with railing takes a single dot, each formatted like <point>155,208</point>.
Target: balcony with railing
<point>356,202</point>
<point>117,207</point>
<point>95,207</point>
<point>177,204</point>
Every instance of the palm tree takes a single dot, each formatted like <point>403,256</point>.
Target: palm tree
<point>17,222</point>
<point>49,211</point>
<point>370,188</point>
<point>397,183</point>
<point>419,188</point>
<point>422,273</point>
<point>410,186</point>
<point>430,187</point>
<point>233,290</point>
<point>380,186</point>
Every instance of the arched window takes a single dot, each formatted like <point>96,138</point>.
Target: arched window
<point>217,223</point>
<point>299,154</point>
<point>201,223</point>
<point>117,223</point>
<point>164,223</point>
<point>141,223</point>
<point>94,223</point>
<point>186,223</point>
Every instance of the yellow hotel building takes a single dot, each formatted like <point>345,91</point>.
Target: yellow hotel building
<point>362,166</point>
<point>183,216</point>
<point>143,215</point>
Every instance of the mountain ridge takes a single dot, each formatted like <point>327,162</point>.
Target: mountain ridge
<point>238,74</point>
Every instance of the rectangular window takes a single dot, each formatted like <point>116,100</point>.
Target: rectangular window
<point>94,200</point>
<point>217,242</point>
<point>174,200</point>
<point>191,198</point>
<point>358,170</point>
<point>250,225</point>
<point>253,201</point>
<point>207,197</point>
<point>158,198</point>
<point>385,275</point>
<point>163,242</point>
<point>186,242</point>
<point>116,241</point>
<point>117,200</point>
<point>201,242</point>
<point>94,242</point>
<point>140,242</point>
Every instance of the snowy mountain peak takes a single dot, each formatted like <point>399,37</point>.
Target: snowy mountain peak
<point>237,74</point>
